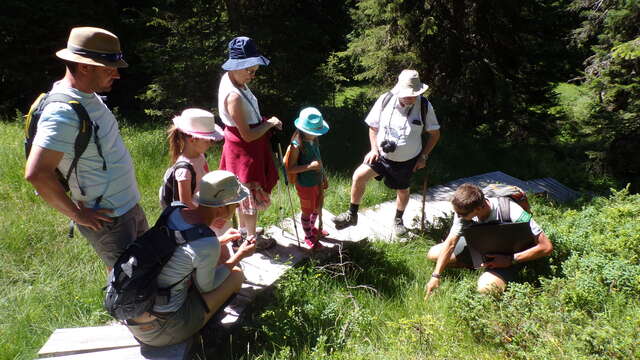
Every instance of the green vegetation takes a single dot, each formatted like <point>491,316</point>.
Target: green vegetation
<point>534,89</point>
<point>367,304</point>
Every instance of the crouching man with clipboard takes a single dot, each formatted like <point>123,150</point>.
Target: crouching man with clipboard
<point>495,234</point>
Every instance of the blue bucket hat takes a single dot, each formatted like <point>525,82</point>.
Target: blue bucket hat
<point>243,53</point>
<point>311,122</point>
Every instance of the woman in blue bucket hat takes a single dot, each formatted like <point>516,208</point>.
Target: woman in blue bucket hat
<point>305,170</point>
<point>247,151</point>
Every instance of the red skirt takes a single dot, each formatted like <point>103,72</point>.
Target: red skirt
<point>251,162</point>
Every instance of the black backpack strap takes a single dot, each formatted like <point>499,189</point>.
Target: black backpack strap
<point>424,110</point>
<point>504,207</point>
<point>164,216</point>
<point>86,128</point>
<point>183,165</point>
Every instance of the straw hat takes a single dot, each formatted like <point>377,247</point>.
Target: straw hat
<point>243,54</point>
<point>93,46</point>
<point>310,121</point>
<point>409,84</point>
<point>198,123</point>
<point>220,188</point>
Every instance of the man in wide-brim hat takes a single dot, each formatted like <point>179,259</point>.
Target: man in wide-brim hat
<point>403,129</point>
<point>104,195</point>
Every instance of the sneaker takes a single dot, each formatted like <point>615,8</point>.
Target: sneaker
<point>264,242</point>
<point>313,243</point>
<point>345,220</point>
<point>315,231</point>
<point>399,229</point>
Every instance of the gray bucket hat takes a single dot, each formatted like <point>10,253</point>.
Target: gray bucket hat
<point>220,188</point>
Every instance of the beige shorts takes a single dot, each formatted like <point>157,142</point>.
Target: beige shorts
<point>172,328</point>
<point>112,239</point>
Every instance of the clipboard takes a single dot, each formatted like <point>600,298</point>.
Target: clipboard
<point>497,238</point>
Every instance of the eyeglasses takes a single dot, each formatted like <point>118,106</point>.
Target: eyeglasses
<point>251,72</point>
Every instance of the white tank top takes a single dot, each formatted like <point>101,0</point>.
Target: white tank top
<point>251,110</point>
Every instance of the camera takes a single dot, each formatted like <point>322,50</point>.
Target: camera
<point>388,146</point>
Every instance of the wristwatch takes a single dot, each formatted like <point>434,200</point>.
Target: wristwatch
<point>513,260</point>
<point>424,156</point>
<point>437,276</point>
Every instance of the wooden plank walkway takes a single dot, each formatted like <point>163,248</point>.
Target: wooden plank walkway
<point>263,269</point>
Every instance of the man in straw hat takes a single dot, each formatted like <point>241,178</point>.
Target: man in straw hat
<point>104,193</point>
<point>210,284</point>
<point>397,125</point>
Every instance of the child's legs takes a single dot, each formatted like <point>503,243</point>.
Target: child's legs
<point>308,205</point>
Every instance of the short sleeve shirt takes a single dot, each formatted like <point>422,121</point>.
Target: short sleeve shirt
<point>515,211</point>
<point>200,167</point>
<point>200,255</point>
<point>403,125</point>
<point>57,131</point>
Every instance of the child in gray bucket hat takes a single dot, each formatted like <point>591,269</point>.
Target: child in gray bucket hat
<point>194,273</point>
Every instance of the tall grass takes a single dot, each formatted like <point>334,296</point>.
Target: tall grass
<point>366,305</point>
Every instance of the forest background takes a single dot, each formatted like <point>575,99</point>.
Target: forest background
<point>554,82</point>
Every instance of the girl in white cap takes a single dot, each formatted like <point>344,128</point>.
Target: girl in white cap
<point>304,168</point>
<point>190,136</point>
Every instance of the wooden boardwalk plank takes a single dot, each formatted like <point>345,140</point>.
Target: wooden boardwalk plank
<point>87,339</point>
<point>130,353</point>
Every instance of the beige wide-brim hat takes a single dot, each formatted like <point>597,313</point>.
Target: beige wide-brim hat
<point>93,46</point>
<point>409,84</point>
<point>198,123</point>
<point>220,188</point>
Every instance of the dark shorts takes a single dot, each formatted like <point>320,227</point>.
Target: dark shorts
<point>396,175</point>
<point>175,327</point>
<point>464,256</point>
<point>112,239</point>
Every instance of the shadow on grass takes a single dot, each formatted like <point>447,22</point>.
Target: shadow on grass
<point>316,303</point>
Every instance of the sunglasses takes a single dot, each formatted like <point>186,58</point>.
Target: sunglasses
<point>464,214</point>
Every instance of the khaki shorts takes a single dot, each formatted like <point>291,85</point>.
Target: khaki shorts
<point>173,328</point>
<point>111,241</point>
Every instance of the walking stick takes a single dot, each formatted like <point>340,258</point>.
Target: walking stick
<point>286,185</point>
<point>423,227</point>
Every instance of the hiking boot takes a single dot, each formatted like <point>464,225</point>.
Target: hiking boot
<point>264,242</point>
<point>345,220</point>
<point>399,230</point>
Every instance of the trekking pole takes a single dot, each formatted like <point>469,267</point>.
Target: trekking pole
<point>286,185</point>
<point>423,226</point>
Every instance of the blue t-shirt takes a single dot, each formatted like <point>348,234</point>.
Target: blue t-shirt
<point>58,129</point>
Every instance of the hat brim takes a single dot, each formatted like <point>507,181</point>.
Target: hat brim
<point>65,54</point>
<point>325,127</point>
<point>238,64</point>
<point>243,192</point>
<point>216,135</point>
<point>404,92</point>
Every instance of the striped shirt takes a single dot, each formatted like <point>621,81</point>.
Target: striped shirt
<point>57,131</point>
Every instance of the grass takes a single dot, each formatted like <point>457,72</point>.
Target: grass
<point>367,306</point>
